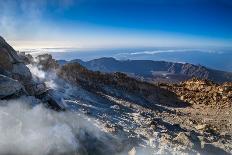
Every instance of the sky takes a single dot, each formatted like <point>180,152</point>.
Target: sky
<point>116,23</point>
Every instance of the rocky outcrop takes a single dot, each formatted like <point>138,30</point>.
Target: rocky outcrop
<point>46,62</point>
<point>27,58</point>
<point>9,87</point>
<point>12,65</point>
<point>205,92</point>
<point>13,73</point>
<point>16,78</point>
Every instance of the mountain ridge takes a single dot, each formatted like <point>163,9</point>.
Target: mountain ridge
<point>154,70</point>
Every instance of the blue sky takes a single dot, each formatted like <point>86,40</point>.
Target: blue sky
<point>116,23</point>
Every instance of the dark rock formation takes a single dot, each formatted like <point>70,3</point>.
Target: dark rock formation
<point>11,63</point>
<point>12,68</point>
<point>16,78</point>
<point>9,87</point>
<point>46,62</point>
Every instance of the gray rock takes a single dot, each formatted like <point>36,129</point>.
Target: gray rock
<point>5,60</point>
<point>9,86</point>
<point>35,88</point>
<point>22,71</point>
<point>12,63</point>
<point>10,51</point>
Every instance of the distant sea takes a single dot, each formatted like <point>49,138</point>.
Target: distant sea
<point>220,59</point>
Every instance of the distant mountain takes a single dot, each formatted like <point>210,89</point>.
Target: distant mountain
<point>217,59</point>
<point>157,71</point>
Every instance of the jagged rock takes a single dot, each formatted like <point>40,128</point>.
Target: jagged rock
<point>21,72</point>
<point>17,77</point>
<point>12,54</point>
<point>184,139</point>
<point>5,60</point>
<point>206,128</point>
<point>9,86</point>
<point>196,91</point>
<point>46,62</point>
<point>35,88</point>
<point>27,58</point>
<point>11,62</point>
<point>12,66</point>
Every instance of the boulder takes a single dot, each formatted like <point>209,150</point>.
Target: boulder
<point>9,86</point>
<point>36,88</point>
<point>21,72</point>
<point>5,59</point>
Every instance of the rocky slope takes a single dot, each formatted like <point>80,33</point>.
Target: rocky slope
<point>197,118</point>
<point>155,70</point>
<point>207,93</point>
<point>131,116</point>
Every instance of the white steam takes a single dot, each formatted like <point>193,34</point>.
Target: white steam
<point>40,75</point>
<point>38,130</point>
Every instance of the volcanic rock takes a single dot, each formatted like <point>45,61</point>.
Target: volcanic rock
<point>9,86</point>
<point>46,62</point>
<point>184,139</point>
<point>197,91</point>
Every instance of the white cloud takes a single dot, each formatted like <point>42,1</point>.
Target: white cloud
<point>152,52</point>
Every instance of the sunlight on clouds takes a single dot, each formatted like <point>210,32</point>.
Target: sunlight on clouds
<point>21,45</point>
